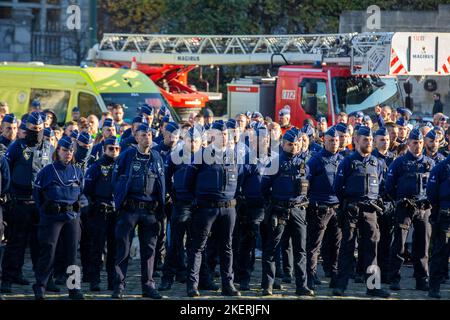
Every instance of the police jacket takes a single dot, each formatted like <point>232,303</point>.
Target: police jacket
<point>4,176</point>
<point>98,184</point>
<point>24,164</point>
<point>322,172</point>
<point>181,171</point>
<point>289,183</point>
<point>438,187</point>
<point>358,178</point>
<point>58,183</point>
<point>408,177</point>
<point>218,176</point>
<point>128,174</point>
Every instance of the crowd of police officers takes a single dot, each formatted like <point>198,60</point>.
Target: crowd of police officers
<point>204,192</point>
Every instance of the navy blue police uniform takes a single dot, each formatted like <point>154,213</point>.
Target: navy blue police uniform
<point>357,186</point>
<point>101,220</point>
<point>4,185</point>
<point>26,157</point>
<point>139,195</point>
<point>406,183</point>
<point>288,188</point>
<point>57,192</point>
<point>216,183</point>
<point>385,218</point>
<point>321,213</point>
<point>438,193</point>
<point>164,151</point>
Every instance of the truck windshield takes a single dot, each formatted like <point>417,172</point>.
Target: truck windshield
<point>361,94</point>
<point>132,101</point>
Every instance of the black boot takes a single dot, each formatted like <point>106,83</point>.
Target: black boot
<point>151,293</point>
<point>434,292</point>
<point>192,292</point>
<point>117,293</point>
<point>304,291</point>
<point>381,293</point>
<point>39,293</point>
<point>422,285</point>
<point>51,286</point>
<point>230,291</point>
<point>244,285</point>
<point>267,292</point>
<point>76,294</point>
<point>165,285</point>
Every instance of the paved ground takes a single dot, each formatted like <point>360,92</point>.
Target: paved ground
<point>355,291</point>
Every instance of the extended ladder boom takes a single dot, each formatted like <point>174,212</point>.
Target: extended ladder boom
<point>383,53</point>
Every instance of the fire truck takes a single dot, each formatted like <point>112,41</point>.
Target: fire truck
<point>318,75</point>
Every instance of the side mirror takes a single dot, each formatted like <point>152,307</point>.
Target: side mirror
<point>409,103</point>
<point>311,87</point>
<point>408,87</point>
<point>310,106</point>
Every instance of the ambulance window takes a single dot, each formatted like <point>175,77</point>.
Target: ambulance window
<point>55,100</point>
<point>88,105</point>
<point>322,98</point>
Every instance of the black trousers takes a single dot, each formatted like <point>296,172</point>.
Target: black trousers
<point>202,222</point>
<point>22,229</point>
<point>101,224</point>
<point>441,249</point>
<point>50,230</point>
<point>249,231</point>
<point>148,230</point>
<point>180,227</point>
<point>365,223</point>
<point>319,221</point>
<point>296,226</point>
<point>404,218</point>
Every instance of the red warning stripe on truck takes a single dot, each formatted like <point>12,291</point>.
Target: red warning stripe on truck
<point>243,89</point>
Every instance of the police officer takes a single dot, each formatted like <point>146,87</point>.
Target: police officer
<point>216,183</point>
<point>357,187</point>
<point>25,158</point>
<point>130,141</point>
<point>9,132</point>
<point>288,188</point>
<point>431,144</point>
<point>406,183</point>
<point>170,140</point>
<point>385,219</point>
<point>101,220</point>
<point>181,168</point>
<point>57,191</point>
<point>139,194</point>
<point>321,212</point>
<point>4,185</point>
<point>402,125</point>
<point>108,131</point>
<point>252,205</point>
<point>438,192</point>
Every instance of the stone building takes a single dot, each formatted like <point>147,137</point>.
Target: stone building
<point>36,30</point>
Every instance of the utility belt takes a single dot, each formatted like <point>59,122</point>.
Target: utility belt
<point>423,204</point>
<point>104,207</point>
<point>133,205</point>
<point>364,206</point>
<point>286,205</point>
<point>203,204</point>
<point>23,199</point>
<point>183,203</point>
<point>322,207</point>
<point>52,208</point>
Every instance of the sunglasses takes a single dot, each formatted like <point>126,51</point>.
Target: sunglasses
<point>113,148</point>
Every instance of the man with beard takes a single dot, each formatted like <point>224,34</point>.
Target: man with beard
<point>171,136</point>
<point>287,189</point>
<point>26,157</point>
<point>9,132</point>
<point>431,143</point>
<point>357,186</point>
<point>385,219</point>
<point>406,183</point>
<point>321,212</point>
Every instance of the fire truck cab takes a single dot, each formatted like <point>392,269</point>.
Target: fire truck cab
<point>320,90</point>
